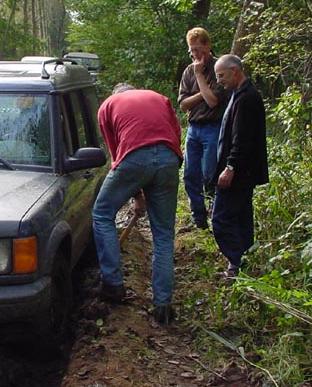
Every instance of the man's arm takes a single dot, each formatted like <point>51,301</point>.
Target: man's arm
<point>205,89</point>
<point>186,99</point>
<point>107,129</point>
<point>189,102</point>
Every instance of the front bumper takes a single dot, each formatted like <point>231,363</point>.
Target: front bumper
<point>23,302</point>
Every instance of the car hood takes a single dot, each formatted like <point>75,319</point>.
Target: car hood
<point>19,191</point>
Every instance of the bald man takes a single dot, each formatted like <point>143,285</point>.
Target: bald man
<point>241,162</point>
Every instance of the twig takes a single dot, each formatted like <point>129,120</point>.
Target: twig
<point>209,369</point>
<point>285,307</point>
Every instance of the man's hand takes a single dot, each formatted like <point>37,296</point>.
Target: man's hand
<point>204,88</point>
<point>139,205</point>
<point>199,65</point>
<point>225,178</point>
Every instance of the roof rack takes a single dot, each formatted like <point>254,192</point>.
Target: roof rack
<point>57,61</point>
<point>44,73</point>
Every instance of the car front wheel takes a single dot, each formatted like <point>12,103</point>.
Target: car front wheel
<point>54,322</point>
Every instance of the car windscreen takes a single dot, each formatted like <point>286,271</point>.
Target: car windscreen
<point>89,63</point>
<point>24,129</point>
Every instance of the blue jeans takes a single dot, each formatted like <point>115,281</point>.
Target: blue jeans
<point>232,222</point>
<point>155,169</point>
<point>200,165</point>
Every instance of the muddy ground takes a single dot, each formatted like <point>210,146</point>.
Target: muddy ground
<point>118,345</point>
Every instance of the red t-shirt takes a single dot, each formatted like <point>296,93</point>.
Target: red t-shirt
<point>135,118</point>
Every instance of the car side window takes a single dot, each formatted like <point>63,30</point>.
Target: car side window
<point>74,122</point>
<point>65,127</point>
<point>77,110</point>
<point>91,106</point>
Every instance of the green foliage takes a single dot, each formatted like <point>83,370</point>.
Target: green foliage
<point>144,42</point>
<point>280,53</point>
<point>221,24</point>
<point>140,43</point>
<point>15,38</point>
<point>268,311</point>
<point>290,119</point>
<point>180,5</point>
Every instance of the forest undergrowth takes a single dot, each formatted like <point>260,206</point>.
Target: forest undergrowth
<point>265,317</point>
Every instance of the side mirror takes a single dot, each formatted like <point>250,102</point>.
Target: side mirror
<point>85,158</point>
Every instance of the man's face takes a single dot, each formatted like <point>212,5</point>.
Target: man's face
<point>25,102</point>
<point>198,50</point>
<point>225,76</point>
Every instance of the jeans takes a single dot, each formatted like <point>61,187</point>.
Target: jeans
<point>200,165</point>
<point>232,222</point>
<point>155,169</point>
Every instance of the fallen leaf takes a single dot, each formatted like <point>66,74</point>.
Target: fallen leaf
<point>175,362</point>
<point>83,372</point>
<point>187,375</point>
<point>169,351</point>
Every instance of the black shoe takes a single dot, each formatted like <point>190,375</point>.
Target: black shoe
<point>229,275</point>
<point>163,314</point>
<point>202,224</point>
<point>114,293</point>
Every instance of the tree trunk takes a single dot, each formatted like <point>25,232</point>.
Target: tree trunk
<point>201,9</point>
<point>240,45</point>
<point>25,17</point>
<point>33,26</point>
<point>6,31</point>
<point>56,16</point>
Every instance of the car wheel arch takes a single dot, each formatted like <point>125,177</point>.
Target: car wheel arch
<point>60,240</point>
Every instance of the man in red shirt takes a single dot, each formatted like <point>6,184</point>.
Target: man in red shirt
<point>143,135</point>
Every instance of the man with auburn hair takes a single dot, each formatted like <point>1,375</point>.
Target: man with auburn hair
<point>242,162</point>
<point>204,101</point>
<point>142,132</point>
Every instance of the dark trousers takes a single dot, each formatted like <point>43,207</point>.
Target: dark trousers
<point>232,222</point>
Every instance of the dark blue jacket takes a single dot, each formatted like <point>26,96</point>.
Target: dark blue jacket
<point>244,139</point>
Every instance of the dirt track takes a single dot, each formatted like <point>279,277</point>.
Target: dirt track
<point>116,345</point>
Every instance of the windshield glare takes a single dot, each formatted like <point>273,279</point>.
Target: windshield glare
<point>24,129</point>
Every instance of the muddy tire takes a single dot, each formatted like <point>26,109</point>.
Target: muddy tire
<point>55,320</point>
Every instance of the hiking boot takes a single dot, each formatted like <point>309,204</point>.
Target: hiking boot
<point>114,293</point>
<point>163,314</point>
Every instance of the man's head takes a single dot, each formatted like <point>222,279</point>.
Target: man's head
<point>229,71</point>
<point>25,101</point>
<point>121,87</point>
<point>199,43</point>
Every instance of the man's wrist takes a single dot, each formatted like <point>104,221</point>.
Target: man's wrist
<point>230,167</point>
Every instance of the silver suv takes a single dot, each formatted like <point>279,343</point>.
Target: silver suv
<point>51,168</point>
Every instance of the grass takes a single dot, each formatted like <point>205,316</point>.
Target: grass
<point>265,319</point>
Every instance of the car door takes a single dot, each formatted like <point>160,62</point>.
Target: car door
<point>79,131</point>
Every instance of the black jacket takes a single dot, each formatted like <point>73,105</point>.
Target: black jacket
<point>244,139</point>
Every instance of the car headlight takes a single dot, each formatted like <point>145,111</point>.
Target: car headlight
<point>5,255</point>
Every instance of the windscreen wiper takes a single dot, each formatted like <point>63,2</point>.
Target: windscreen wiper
<point>6,164</point>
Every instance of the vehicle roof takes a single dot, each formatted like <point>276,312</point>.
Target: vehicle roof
<point>81,54</point>
<point>50,75</point>
<point>40,59</point>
